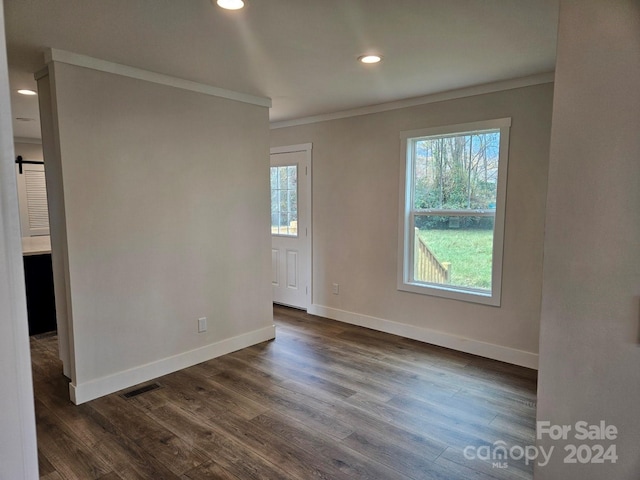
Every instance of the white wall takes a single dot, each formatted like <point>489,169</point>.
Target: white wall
<point>356,163</point>
<point>590,326</point>
<point>57,220</point>
<point>29,151</point>
<point>166,219</point>
<point>18,451</point>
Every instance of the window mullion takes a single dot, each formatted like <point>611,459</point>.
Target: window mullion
<point>469,175</point>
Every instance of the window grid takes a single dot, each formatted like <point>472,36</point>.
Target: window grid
<point>284,200</point>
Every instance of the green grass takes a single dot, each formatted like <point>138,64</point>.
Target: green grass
<point>469,252</point>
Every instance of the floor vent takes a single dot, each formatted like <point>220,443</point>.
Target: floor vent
<point>140,391</point>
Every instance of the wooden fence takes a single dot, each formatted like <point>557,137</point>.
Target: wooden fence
<point>427,268</point>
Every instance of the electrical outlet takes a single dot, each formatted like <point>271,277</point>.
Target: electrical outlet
<point>336,289</point>
<point>202,324</point>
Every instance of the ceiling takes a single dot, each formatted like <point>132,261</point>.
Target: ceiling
<point>300,53</point>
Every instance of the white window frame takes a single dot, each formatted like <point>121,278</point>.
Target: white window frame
<point>406,233</point>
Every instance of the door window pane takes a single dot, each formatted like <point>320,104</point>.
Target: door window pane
<point>284,200</point>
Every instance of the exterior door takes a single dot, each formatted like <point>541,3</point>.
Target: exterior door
<point>291,225</point>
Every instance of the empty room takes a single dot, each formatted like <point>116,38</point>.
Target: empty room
<point>319,239</point>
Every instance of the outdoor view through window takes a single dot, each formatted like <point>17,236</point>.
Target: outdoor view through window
<point>453,207</point>
<point>284,200</point>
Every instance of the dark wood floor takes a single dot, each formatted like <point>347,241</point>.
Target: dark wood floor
<point>325,400</point>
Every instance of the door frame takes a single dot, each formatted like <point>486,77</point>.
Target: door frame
<point>308,237</point>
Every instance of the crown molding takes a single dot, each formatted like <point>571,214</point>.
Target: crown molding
<point>70,58</point>
<point>531,80</point>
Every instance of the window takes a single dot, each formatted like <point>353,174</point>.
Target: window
<point>452,210</point>
<point>284,200</point>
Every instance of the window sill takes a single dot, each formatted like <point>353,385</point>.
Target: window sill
<point>452,293</point>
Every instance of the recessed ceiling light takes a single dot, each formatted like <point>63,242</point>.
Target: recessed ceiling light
<point>27,92</point>
<point>370,58</point>
<point>230,4</point>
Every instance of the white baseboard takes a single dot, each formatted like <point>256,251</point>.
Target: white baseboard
<point>454,342</point>
<point>87,391</point>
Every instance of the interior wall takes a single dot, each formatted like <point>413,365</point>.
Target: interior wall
<point>57,220</point>
<point>29,151</point>
<point>590,324</point>
<point>165,195</point>
<point>356,163</point>
<point>18,449</point>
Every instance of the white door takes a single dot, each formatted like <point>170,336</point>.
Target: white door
<point>291,225</point>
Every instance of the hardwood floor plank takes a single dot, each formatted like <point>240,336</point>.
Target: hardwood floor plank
<point>113,412</point>
<point>324,400</point>
<point>263,441</point>
<point>308,324</point>
<point>173,453</point>
<point>283,453</point>
<point>387,376</point>
<point>350,463</point>
<point>108,443</point>
<point>111,476</point>
<point>515,428</point>
<point>412,462</point>
<point>508,404</point>
<point>126,457</point>
<point>321,367</point>
<point>344,360</point>
<point>151,440</point>
<point>434,425</point>
<point>44,466</point>
<point>303,341</point>
<point>286,371</point>
<point>450,408</point>
<point>374,438</point>
<point>448,470</point>
<point>51,476</point>
<point>226,399</point>
<point>209,471</point>
<point>71,458</point>
<point>204,369</point>
<point>513,470</point>
<point>225,451</point>
<point>302,407</point>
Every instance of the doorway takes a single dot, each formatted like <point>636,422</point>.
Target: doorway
<point>291,225</point>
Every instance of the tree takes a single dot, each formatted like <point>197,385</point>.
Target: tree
<point>457,172</point>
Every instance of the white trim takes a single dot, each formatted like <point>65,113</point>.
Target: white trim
<point>493,87</point>
<point>447,340</point>
<point>43,72</point>
<point>87,391</point>
<point>70,58</point>
<point>302,147</point>
<point>406,218</point>
<point>460,127</point>
<point>307,148</point>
